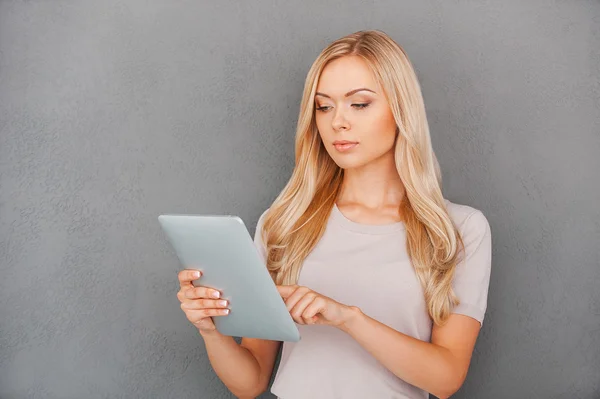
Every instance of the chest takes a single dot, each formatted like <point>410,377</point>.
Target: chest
<point>372,272</point>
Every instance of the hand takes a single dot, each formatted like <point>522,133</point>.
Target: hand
<point>200,304</point>
<point>309,307</point>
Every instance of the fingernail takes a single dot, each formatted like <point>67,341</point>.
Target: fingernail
<point>223,303</point>
<point>196,274</point>
<point>216,294</point>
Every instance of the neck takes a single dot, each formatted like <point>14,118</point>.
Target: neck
<point>375,185</point>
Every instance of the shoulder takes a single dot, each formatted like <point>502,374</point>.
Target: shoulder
<point>467,219</point>
<point>473,269</point>
<point>261,218</point>
<point>260,222</point>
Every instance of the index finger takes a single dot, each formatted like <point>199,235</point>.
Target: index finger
<point>187,276</point>
<point>286,290</point>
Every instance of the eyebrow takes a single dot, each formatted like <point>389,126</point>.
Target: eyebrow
<point>347,94</point>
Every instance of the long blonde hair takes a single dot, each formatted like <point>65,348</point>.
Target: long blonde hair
<point>297,218</point>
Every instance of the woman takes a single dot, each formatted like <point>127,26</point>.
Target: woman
<point>387,279</point>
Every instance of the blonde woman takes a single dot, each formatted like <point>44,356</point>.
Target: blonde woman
<point>387,279</point>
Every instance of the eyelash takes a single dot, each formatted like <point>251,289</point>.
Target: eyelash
<point>359,107</point>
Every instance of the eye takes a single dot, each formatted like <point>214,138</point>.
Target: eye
<point>357,106</point>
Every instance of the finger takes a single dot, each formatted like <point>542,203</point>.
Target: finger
<point>286,290</point>
<point>312,311</point>
<point>204,304</point>
<point>197,315</point>
<point>291,301</point>
<point>186,276</point>
<point>301,305</point>
<point>202,292</point>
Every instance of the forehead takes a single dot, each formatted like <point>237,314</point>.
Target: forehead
<point>345,74</point>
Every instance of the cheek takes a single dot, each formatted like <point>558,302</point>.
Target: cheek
<point>376,145</point>
<point>323,125</point>
<point>379,131</point>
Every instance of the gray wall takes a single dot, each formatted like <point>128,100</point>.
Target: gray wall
<point>113,112</point>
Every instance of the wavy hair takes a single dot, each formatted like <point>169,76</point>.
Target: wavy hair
<point>296,220</point>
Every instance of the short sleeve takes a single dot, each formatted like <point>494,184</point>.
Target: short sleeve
<point>472,274</point>
<point>258,241</point>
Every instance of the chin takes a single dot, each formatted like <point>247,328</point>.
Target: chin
<point>346,163</point>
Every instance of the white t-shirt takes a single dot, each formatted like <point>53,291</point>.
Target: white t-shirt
<point>368,266</point>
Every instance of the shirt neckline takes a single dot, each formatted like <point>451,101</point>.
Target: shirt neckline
<point>351,225</point>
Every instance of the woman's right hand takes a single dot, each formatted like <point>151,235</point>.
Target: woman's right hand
<point>200,304</point>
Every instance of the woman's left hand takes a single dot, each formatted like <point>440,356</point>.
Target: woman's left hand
<point>309,307</point>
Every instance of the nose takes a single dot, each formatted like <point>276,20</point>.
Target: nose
<point>339,120</point>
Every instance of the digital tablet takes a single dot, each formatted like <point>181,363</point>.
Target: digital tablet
<point>222,248</point>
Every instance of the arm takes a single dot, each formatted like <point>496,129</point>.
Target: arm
<point>439,367</point>
<point>245,369</point>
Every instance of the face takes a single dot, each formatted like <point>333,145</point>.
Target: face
<point>352,114</point>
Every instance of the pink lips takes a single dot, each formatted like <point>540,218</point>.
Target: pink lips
<point>344,145</point>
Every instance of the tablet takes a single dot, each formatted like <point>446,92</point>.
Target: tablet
<point>222,248</point>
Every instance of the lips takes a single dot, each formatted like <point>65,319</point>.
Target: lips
<point>344,145</point>
<point>341,142</point>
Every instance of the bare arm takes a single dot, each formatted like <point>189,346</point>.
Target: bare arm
<point>245,369</point>
<point>439,367</point>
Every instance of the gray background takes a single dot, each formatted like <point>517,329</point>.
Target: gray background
<point>114,112</point>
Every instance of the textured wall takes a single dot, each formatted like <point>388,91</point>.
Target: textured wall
<point>113,112</point>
